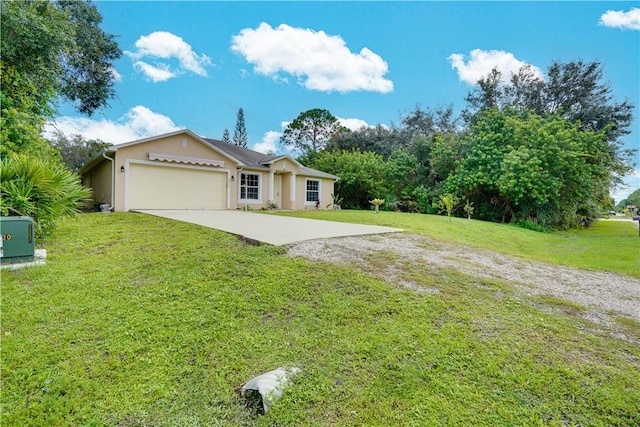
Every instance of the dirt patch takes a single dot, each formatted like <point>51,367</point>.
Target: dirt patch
<point>604,295</point>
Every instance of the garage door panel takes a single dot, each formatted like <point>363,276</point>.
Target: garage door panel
<point>169,187</point>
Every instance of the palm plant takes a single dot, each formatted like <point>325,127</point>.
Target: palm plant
<point>41,189</point>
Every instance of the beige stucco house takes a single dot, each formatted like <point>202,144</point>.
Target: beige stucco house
<point>181,170</point>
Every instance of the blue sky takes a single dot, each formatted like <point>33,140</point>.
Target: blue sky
<point>194,64</point>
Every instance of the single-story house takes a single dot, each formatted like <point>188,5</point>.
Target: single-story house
<point>181,170</point>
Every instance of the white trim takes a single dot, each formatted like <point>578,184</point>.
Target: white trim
<point>278,196</point>
<point>174,133</point>
<point>250,201</point>
<point>283,157</point>
<point>187,160</point>
<point>271,185</point>
<point>127,166</point>
<point>319,181</point>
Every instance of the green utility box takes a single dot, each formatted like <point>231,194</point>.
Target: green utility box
<point>18,239</point>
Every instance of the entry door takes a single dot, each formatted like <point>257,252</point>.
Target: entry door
<point>277,183</point>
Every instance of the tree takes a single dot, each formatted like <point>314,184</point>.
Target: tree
<point>518,166</point>
<point>379,139</point>
<point>225,136</point>
<point>240,134</point>
<point>58,48</point>
<point>633,199</point>
<point>362,175</point>
<point>311,131</point>
<point>48,51</point>
<point>574,91</point>
<point>447,203</point>
<point>76,151</point>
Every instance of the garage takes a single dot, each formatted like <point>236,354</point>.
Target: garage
<point>153,186</point>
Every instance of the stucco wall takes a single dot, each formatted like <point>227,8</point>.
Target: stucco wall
<point>179,145</point>
<point>184,146</point>
<point>99,180</point>
<point>326,188</point>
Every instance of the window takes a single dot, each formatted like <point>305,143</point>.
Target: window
<point>313,191</point>
<point>249,186</point>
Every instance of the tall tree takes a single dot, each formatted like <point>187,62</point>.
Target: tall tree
<point>49,50</point>
<point>311,131</point>
<point>379,139</point>
<point>575,91</point>
<point>240,134</point>
<point>521,166</point>
<point>225,136</point>
<point>60,49</point>
<point>75,151</point>
<point>88,76</point>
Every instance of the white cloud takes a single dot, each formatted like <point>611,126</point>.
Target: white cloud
<point>139,122</point>
<point>631,184</point>
<point>116,75</point>
<point>269,142</point>
<point>319,61</point>
<point>162,46</point>
<point>618,19</point>
<point>481,62</point>
<point>354,124</point>
<point>160,73</point>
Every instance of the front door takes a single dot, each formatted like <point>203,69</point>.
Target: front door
<point>277,183</point>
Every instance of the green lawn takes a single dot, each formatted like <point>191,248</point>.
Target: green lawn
<point>607,245</point>
<point>140,321</point>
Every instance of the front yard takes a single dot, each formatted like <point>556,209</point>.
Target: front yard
<point>137,320</point>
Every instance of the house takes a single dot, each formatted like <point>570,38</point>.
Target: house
<point>181,170</point>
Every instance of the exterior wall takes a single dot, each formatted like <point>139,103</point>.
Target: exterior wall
<point>286,202</point>
<point>326,188</point>
<point>179,145</point>
<point>284,166</point>
<point>263,200</point>
<point>99,180</point>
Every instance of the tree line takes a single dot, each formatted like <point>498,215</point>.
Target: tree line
<point>541,152</point>
<point>545,152</point>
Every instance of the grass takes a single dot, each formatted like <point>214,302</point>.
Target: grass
<point>607,245</point>
<point>140,321</point>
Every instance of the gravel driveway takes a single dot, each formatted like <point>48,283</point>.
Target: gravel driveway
<point>603,294</point>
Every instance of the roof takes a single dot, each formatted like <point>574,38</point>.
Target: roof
<point>244,157</point>
<point>257,160</point>
<point>247,157</point>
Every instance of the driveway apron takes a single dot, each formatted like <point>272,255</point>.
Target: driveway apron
<point>272,229</point>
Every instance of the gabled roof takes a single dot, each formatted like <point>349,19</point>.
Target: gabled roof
<point>257,160</point>
<point>244,157</point>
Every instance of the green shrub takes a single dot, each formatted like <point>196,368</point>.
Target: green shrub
<point>42,189</point>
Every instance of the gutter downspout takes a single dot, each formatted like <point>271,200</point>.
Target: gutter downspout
<point>113,176</point>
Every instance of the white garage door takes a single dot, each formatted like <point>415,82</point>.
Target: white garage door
<point>170,187</point>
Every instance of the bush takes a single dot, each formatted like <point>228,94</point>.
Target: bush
<point>42,189</point>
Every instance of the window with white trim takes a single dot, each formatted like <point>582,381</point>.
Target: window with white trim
<point>249,186</point>
<point>312,190</point>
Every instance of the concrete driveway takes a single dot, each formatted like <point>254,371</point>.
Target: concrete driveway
<point>271,229</point>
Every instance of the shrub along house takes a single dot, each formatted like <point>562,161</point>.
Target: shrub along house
<point>181,170</point>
